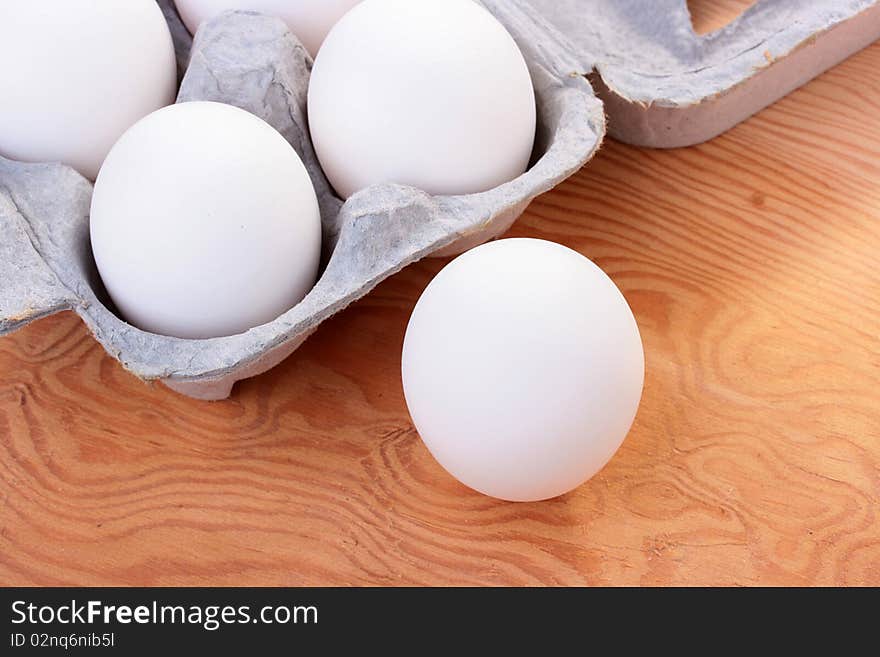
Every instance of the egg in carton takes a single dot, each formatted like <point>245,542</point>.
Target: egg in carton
<point>662,84</point>
<point>255,63</point>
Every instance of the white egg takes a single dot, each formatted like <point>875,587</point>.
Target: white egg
<point>76,74</point>
<point>523,369</point>
<point>309,20</point>
<point>204,223</point>
<point>434,94</point>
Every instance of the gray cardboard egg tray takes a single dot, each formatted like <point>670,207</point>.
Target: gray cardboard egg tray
<point>662,85</point>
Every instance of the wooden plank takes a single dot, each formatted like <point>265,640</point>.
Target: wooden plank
<point>751,264</point>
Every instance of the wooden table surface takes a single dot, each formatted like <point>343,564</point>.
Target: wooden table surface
<point>752,264</point>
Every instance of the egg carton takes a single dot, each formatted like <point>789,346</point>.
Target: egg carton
<point>665,86</point>
<point>254,62</point>
<point>662,85</point>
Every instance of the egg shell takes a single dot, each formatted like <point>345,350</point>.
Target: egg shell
<point>204,222</point>
<point>522,368</point>
<point>111,62</point>
<point>466,123</point>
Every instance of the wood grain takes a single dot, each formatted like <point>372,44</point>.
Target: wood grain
<point>751,264</point>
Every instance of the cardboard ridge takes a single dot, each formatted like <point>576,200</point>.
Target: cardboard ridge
<point>665,86</point>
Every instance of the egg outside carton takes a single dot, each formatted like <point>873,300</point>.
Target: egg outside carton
<point>255,63</point>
